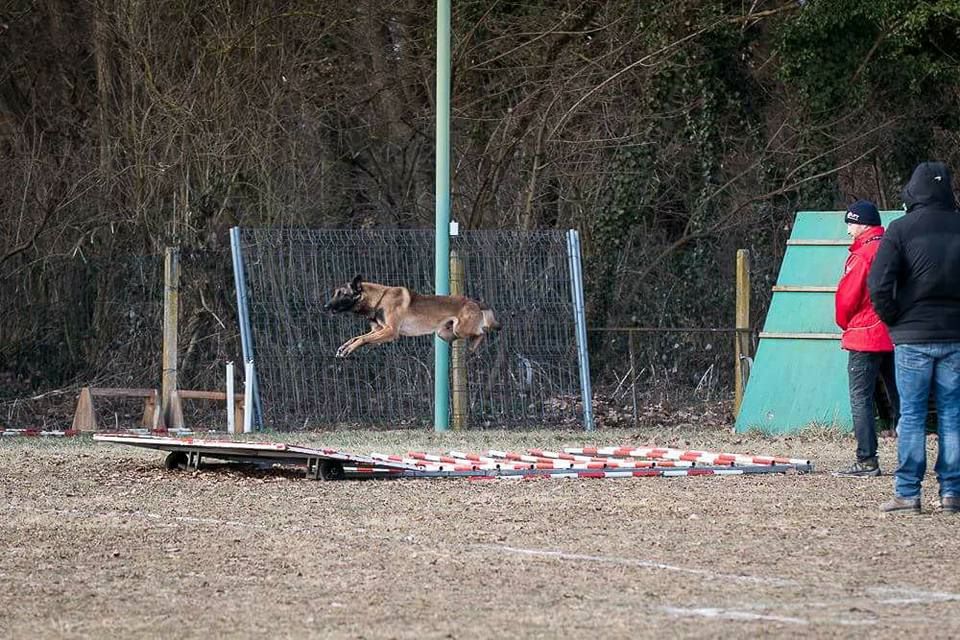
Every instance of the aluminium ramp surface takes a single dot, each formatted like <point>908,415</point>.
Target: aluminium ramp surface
<point>247,451</point>
<point>799,372</point>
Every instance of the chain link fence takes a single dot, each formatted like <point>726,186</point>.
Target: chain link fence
<point>644,369</point>
<point>524,375</point>
<point>69,322</point>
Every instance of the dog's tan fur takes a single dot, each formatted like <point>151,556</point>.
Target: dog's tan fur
<point>398,311</point>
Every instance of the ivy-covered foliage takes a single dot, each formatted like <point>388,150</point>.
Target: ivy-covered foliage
<point>839,52</point>
<point>671,132</point>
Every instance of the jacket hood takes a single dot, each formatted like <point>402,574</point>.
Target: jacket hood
<point>930,184</point>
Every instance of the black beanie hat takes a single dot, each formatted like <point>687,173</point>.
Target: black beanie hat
<point>863,212</point>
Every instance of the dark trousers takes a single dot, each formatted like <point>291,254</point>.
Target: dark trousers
<point>864,369</point>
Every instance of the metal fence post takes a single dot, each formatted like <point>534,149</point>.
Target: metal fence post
<point>243,314</point>
<point>231,401</point>
<point>441,350</point>
<point>633,378</point>
<point>576,291</point>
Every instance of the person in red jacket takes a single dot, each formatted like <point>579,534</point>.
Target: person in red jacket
<point>865,337</point>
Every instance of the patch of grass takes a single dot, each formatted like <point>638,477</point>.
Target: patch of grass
<point>822,431</point>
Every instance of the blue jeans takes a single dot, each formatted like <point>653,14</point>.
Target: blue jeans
<point>921,367</point>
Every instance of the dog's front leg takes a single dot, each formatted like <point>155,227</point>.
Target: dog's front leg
<point>345,349</point>
<point>386,334</point>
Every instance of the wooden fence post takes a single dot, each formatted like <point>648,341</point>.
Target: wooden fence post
<point>742,339</point>
<point>171,295</point>
<point>458,355</point>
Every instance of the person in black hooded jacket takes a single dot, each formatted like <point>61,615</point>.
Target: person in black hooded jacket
<point>914,285</point>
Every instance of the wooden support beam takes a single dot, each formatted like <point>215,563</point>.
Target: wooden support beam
<point>458,356</point>
<point>171,304</point>
<point>799,288</point>
<point>742,338</point>
<point>818,243</point>
<point>84,418</point>
<point>179,395</point>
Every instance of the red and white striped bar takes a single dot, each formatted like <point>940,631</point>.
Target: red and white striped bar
<point>610,462</point>
<point>476,457</point>
<point>420,462</point>
<point>471,460</point>
<point>669,453</point>
<point>38,433</point>
<point>599,474</point>
<point>585,462</point>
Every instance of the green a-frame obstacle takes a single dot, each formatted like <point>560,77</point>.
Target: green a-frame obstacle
<point>799,373</point>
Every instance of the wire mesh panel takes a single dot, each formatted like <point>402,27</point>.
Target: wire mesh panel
<point>63,317</point>
<point>525,374</point>
<point>528,373</point>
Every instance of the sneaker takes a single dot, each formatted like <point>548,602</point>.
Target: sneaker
<point>950,504</point>
<point>867,469</point>
<point>901,505</point>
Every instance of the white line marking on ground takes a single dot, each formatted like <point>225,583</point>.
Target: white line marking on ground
<point>871,595</point>
<point>881,595</point>
<point>728,614</point>
<point>906,595</point>
<point>634,562</point>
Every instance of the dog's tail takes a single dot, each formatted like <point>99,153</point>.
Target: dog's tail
<point>489,320</point>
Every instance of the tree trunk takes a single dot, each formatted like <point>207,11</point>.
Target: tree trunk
<point>102,15</point>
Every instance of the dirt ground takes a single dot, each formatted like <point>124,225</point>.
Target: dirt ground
<point>102,541</point>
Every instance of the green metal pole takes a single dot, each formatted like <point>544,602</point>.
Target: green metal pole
<point>441,360</point>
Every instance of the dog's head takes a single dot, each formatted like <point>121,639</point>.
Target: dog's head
<point>345,298</point>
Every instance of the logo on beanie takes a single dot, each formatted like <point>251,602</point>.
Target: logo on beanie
<point>938,178</point>
<point>863,212</point>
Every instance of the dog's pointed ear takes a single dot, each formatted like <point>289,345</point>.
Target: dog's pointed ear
<point>355,285</point>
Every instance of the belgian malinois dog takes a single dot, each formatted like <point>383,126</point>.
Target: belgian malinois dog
<point>398,311</point>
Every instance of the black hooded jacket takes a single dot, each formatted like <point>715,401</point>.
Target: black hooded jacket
<point>915,279</point>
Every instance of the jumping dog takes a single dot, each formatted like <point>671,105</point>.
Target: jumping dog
<point>398,311</point>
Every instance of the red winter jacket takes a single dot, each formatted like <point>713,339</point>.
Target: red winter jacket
<point>862,328</point>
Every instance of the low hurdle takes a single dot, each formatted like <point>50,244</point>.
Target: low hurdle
<point>85,415</point>
<point>177,396</point>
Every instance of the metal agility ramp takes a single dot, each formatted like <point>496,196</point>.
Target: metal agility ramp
<point>332,464</point>
<point>325,464</point>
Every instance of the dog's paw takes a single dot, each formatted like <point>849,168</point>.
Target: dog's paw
<point>342,352</point>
